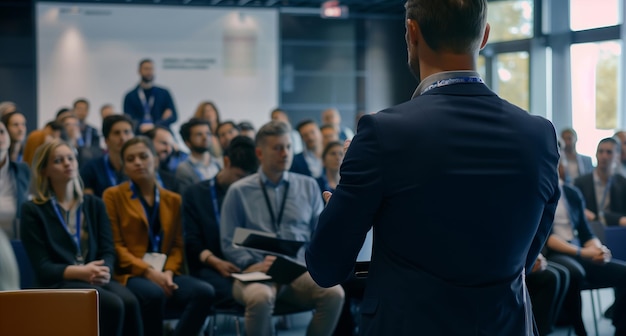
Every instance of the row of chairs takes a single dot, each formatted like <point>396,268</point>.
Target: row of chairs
<point>50,301</point>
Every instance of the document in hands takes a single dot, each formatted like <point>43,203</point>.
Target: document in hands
<point>156,260</point>
<point>266,242</point>
<point>252,276</point>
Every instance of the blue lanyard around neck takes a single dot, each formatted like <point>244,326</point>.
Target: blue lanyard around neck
<point>155,237</point>
<point>216,205</point>
<point>605,194</point>
<point>110,173</point>
<point>76,236</point>
<point>451,81</point>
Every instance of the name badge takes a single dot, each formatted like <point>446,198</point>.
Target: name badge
<point>156,260</point>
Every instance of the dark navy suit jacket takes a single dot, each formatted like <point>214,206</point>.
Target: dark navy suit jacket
<point>461,189</point>
<point>617,205</point>
<point>300,166</point>
<point>162,101</point>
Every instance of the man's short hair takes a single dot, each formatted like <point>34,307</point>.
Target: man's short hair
<point>145,60</point>
<point>304,123</point>
<point>450,25</point>
<point>611,140</point>
<point>185,129</point>
<point>108,122</point>
<point>227,122</point>
<point>241,153</point>
<point>272,128</point>
<point>61,111</point>
<point>81,100</point>
<point>569,130</point>
<point>152,133</point>
<point>245,126</point>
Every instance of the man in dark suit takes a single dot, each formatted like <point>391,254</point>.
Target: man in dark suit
<point>309,162</point>
<point>603,190</point>
<point>201,218</point>
<point>459,185</point>
<point>577,164</point>
<point>147,104</point>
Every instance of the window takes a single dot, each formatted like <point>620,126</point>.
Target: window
<point>512,78</point>
<point>587,14</point>
<point>510,20</point>
<point>595,92</point>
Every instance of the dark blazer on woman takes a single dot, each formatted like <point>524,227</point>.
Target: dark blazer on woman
<point>50,247</point>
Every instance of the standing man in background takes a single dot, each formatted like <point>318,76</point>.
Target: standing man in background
<point>454,234</point>
<point>147,104</point>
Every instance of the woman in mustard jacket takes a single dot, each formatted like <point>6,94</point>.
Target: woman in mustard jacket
<point>148,237</point>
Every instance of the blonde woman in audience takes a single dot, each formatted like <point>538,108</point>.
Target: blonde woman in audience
<point>14,178</point>
<point>147,231</point>
<point>67,236</point>
<point>15,123</point>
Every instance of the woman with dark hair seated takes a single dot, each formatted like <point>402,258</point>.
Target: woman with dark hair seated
<point>147,231</point>
<point>67,236</point>
<point>332,157</point>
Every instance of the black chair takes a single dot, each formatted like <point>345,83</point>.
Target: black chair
<point>27,275</point>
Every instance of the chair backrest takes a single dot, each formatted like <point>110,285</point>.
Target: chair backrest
<point>615,240</point>
<point>27,275</point>
<point>50,312</point>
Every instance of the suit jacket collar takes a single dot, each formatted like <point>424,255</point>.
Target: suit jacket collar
<point>441,76</point>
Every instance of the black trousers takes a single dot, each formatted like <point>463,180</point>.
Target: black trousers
<point>547,291</point>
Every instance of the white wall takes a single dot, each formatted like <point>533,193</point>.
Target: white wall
<point>229,56</point>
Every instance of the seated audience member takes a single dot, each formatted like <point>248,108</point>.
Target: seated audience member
<point>573,245</point>
<point>547,284</point>
<point>200,165</point>
<point>106,110</point>
<point>164,143</point>
<point>332,117</point>
<point>201,218</point>
<point>309,162</point>
<point>67,236</point>
<point>329,134</point>
<point>620,137</point>
<point>89,134</point>
<point>148,237</point>
<point>36,138</point>
<point>71,126</point>
<point>15,123</point>
<point>226,131</point>
<point>14,178</point>
<point>577,164</point>
<point>7,107</point>
<point>603,190</point>
<point>9,271</point>
<point>278,114</point>
<point>288,205</point>
<point>208,111</point>
<point>102,173</point>
<point>246,128</point>
<point>332,156</point>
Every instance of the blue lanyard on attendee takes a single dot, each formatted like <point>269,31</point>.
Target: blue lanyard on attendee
<point>275,221</point>
<point>216,205</point>
<point>109,171</point>
<point>88,135</point>
<point>155,238</point>
<point>605,194</point>
<point>455,80</point>
<point>147,105</point>
<point>76,236</point>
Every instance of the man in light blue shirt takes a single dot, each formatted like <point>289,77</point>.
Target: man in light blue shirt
<point>288,205</point>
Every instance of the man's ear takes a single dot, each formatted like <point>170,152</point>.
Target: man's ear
<point>412,32</point>
<point>259,153</point>
<point>485,36</point>
<point>226,162</point>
